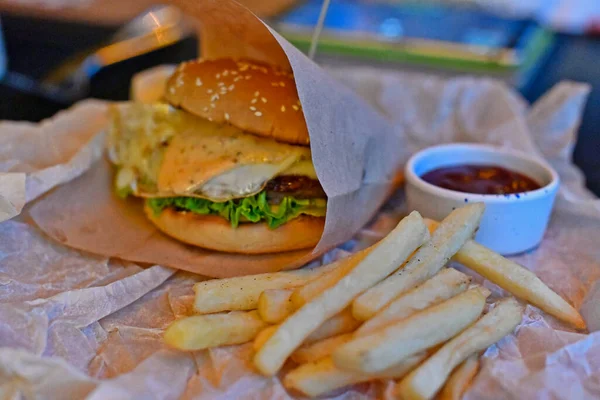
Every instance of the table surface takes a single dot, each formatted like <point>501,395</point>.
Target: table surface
<point>36,45</point>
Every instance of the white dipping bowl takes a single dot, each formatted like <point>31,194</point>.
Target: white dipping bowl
<point>511,224</point>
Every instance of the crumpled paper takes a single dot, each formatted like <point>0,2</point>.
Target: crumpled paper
<point>12,194</point>
<point>81,326</point>
<point>32,162</point>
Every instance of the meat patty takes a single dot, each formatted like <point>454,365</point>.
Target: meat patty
<point>300,187</point>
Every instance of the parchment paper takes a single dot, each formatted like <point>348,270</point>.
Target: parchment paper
<point>12,194</point>
<point>80,326</point>
<point>33,161</point>
<point>354,150</point>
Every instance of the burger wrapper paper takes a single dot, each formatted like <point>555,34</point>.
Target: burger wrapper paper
<point>355,150</point>
<point>85,325</point>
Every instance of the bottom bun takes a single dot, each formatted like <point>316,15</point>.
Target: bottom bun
<point>215,233</point>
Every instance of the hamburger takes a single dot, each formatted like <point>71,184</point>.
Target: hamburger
<point>224,163</point>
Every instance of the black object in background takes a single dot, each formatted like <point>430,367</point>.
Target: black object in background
<point>34,47</point>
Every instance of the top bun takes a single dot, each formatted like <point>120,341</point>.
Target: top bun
<point>251,96</point>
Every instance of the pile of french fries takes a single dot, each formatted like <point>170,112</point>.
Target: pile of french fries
<point>392,311</point>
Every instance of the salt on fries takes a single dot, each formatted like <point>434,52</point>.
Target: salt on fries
<point>274,305</point>
<point>428,378</point>
<point>342,322</point>
<point>391,311</point>
<point>410,233</point>
<point>452,233</point>
<point>388,346</point>
<point>448,283</point>
<point>242,292</point>
<point>262,336</point>
<point>314,379</point>
<point>204,331</point>
<point>460,379</point>
<point>318,350</point>
<point>306,293</point>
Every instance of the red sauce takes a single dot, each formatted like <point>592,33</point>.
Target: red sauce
<point>480,179</point>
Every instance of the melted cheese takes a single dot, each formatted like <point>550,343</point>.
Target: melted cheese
<point>165,152</point>
<point>302,168</point>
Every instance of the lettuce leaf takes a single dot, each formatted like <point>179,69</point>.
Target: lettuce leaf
<point>253,209</point>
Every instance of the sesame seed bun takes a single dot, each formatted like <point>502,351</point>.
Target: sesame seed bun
<point>215,233</point>
<point>254,97</point>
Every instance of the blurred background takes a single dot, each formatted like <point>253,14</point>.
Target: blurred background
<point>55,52</point>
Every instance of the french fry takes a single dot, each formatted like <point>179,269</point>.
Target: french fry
<point>340,268</point>
<point>242,292</point>
<point>274,305</point>
<point>427,379</point>
<point>447,239</point>
<point>318,350</point>
<point>342,322</point>
<point>314,379</point>
<point>391,251</point>
<point>262,337</point>
<point>203,331</point>
<point>393,343</point>
<point>339,324</point>
<point>460,379</point>
<point>517,280</point>
<point>446,284</point>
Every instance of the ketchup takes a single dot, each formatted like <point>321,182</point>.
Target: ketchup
<point>480,179</point>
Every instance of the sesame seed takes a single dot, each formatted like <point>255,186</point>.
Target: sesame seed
<point>220,84</point>
<point>253,67</point>
<point>256,94</point>
<point>295,107</point>
<point>253,101</point>
<point>198,82</point>
<point>274,84</point>
<point>214,97</point>
<point>282,108</point>
<point>212,105</point>
<point>230,87</point>
<point>263,99</point>
<point>209,91</point>
<point>237,78</point>
<point>218,76</point>
<point>205,109</point>
<point>252,108</point>
<point>210,119</point>
<point>225,73</point>
<point>282,84</point>
<point>247,77</point>
<point>226,117</point>
<point>234,72</point>
<point>243,67</point>
<point>258,113</point>
<point>263,70</point>
<point>172,90</point>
